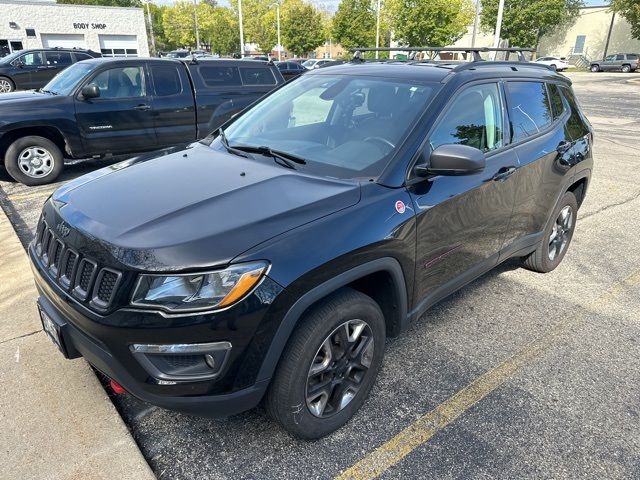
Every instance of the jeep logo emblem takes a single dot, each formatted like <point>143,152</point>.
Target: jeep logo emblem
<point>63,229</point>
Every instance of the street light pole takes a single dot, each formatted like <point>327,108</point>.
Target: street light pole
<point>241,31</point>
<point>378,29</point>
<point>195,23</point>
<point>278,24</point>
<point>496,38</point>
<point>153,40</point>
<point>475,24</point>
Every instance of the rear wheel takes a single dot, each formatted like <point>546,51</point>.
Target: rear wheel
<point>595,68</point>
<point>328,366</point>
<point>556,238</point>
<point>34,160</point>
<point>626,68</point>
<point>6,85</point>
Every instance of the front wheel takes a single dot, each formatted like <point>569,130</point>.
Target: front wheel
<point>595,68</point>
<point>556,237</point>
<point>329,365</point>
<point>34,160</point>
<point>6,85</point>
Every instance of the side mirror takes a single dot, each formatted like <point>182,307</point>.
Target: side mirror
<point>90,91</point>
<point>452,159</point>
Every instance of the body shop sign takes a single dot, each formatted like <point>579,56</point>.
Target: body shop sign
<point>89,26</point>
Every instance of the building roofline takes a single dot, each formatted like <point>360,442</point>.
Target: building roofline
<point>64,5</point>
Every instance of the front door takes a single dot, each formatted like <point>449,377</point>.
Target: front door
<point>27,69</point>
<point>121,119</point>
<point>462,220</point>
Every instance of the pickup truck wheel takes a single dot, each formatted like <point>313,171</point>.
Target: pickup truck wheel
<point>595,68</point>
<point>34,160</point>
<point>556,238</point>
<point>6,85</point>
<point>329,365</point>
<point>626,68</point>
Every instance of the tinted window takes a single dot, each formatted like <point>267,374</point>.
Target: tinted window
<point>610,58</point>
<point>557,106</point>
<point>220,76</point>
<point>58,58</point>
<point>166,80</point>
<point>619,57</point>
<point>120,82</point>
<point>474,118</point>
<point>33,58</point>
<point>577,125</point>
<point>530,110</point>
<point>632,56</point>
<point>257,76</point>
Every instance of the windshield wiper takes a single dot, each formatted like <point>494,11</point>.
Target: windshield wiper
<point>282,158</point>
<point>228,148</point>
<point>48,91</point>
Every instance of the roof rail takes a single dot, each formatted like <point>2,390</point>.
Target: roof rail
<point>474,51</point>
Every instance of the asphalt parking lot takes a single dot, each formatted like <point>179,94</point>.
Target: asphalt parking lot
<point>519,375</point>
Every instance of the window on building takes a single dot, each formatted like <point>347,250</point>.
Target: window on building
<point>578,47</point>
<point>31,32</point>
<point>474,119</point>
<point>121,82</point>
<point>257,76</point>
<point>4,48</point>
<point>220,76</point>
<point>119,52</point>
<point>166,80</point>
<point>58,58</point>
<point>530,108</point>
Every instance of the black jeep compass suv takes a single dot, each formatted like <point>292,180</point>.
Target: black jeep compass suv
<point>270,261</point>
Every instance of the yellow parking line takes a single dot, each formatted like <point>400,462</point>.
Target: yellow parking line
<point>425,427</point>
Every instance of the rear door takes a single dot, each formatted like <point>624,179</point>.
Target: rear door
<point>174,112</point>
<point>56,62</point>
<point>121,119</point>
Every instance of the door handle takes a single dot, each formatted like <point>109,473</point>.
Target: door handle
<point>142,107</point>
<point>504,173</point>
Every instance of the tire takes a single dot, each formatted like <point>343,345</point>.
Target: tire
<point>6,85</point>
<point>34,160</point>
<point>626,68</point>
<point>595,68</point>
<point>555,243</point>
<point>322,329</point>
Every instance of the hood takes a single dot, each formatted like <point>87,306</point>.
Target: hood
<point>25,96</point>
<point>196,208</point>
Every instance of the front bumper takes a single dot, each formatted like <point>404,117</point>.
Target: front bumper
<point>105,342</point>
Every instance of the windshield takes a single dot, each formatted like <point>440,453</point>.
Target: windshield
<point>343,126</point>
<point>309,63</point>
<point>64,82</point>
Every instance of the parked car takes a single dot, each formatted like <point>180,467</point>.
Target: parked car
<point>178,54</point>
<point>290,70</point>
<point>272,260</point>
<point>555,63</point>
<point>110,106</point>
<point>299,61</point>
<point>625,62</point>
<point>316,63</point>
<point>30,69</point>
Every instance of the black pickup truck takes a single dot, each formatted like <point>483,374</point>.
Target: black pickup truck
<point>110,106</point>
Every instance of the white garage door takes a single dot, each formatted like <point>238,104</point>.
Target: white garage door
<point>119,45</point>
<point>63,40</point>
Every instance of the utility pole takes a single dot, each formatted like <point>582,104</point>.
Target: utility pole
<point>475,24</point>
<point>378,29</point>
<point>195,23</point>
<point>278,24</point>
<point>241,31</point>
<point>496,38</point>
<point>153,40</point>
<point>606,45</point>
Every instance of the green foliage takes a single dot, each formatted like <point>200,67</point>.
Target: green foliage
<point>302,27</point>
<point>526,21</point>
<point>259,22</point>
<point>220,29</point>
<point>106,3</point>
<point>354,24</point>
<point>434,23</point>
<point>630,11</point>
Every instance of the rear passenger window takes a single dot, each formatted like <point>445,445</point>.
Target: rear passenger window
<point>632,57</point>
<point>557,106</point>
<point>530,109</point>
<point>58,58</point>
<point>257,76</point>
<point>577,124</point>
<point>220,76</point>
<point>166,79</point>
<point>474,119</point>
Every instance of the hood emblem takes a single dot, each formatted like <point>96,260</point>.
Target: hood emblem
<point>63,229</point>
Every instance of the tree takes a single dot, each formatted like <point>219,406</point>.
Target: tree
<point>221,30</point>
<point>302,27</point>
<point>525,21</point>
<point>106,3</point>
<point>434,23</point>
<point>259,22</point>
<point>630,11</point>
<point>354,24</point>
<point>178,23</point>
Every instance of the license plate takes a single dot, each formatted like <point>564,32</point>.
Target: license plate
<point>52,329</point>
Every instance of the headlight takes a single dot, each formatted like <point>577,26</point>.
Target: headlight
<point>198,291</point>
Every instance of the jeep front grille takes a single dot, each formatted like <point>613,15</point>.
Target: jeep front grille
<point>79,275</point>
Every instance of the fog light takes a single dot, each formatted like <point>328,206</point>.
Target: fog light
<point>210,360</point>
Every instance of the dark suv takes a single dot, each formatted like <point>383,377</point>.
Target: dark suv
<point>31,69</point>
<point>270,261</point>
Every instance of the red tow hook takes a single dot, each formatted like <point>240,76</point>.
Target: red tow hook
<point>117,388</point>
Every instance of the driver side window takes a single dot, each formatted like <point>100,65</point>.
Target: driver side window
<point>32,59</point>
<point>473,119</point>
<point>124,82</point>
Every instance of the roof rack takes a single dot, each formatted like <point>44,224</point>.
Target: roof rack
<point>473,51</point>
